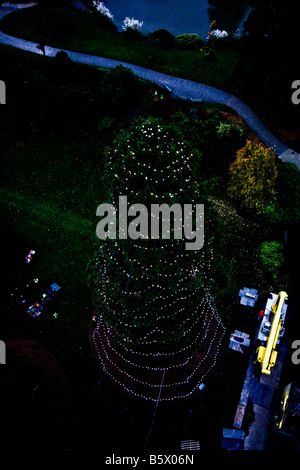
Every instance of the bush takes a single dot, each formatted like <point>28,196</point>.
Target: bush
<point>219,138</point>
<point>133,34</point>
<point>61,70</point>
<point>285,209</point>
<point>288,191</point>
<point>253,177</point>
<point>271,256</point>
<point>188,41</point>
<point>131,28</point>
<point>120,88</point>
<point>161,38</point>
<point>62,59</point>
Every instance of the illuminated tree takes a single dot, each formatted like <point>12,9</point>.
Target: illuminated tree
<point>156,327</point>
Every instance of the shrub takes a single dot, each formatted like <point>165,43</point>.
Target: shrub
<point>120,88</point>
<point>288,190</point>
<point>285,210</point>
<point>253,177</point>
<point>62,59</point>
<point>61,68</point>
<point>162,38</point>
<point>228,130</point>
<point>271,256</point>
<point>188,41</point>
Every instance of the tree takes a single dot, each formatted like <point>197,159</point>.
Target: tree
<point>271,256</point>
<point>219,138</point>
<point>269,37</point>
<point>227,14</point>
<point>189,41</point>
<point>272,21</point>
<point>161,38</point>
<point>285,210</point>
<point>288,190</point>
<point>156,320</point>
<point>253,177</point>
<point>120,88</point>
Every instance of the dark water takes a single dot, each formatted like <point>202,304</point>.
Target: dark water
<point>177,16</point>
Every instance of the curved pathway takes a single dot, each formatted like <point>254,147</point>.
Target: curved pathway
<point>179,87</point>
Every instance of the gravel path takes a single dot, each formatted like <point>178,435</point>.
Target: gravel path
<point>181,88</point>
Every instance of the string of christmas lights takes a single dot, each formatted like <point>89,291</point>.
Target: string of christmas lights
<point>173,365</point>
<point>156,317</point>
<point>180,381</point>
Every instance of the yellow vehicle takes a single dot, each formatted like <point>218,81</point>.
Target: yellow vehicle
<point>271,330</point>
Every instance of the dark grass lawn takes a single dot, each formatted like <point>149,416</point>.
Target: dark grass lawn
<point>49,201</point>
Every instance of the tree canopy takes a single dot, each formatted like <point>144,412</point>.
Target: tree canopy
<point>267,63</point>
<point>152,287</point>
<point>253,177</point>
<point>155,307</point>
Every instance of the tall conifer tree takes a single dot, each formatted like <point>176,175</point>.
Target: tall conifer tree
<point>157,332</point>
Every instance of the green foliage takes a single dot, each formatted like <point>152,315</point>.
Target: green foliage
<point>120,88</point>
<point>227,130</point>
<point>285,208</point>
<point>66,98</point>
<point>51,188</point>
<point>62,59</point>
<point>218,138</point>
<point>89,37</point>
<point>288,193</point>
<point>269,37</point>
<point>271,256</point>
<point>151,282</point>
<point>188,41</point>
<point>133,34</point>
<point>61,68</point>
<point>161,38</point>
<point>106,123</point>
<point>253,177</point>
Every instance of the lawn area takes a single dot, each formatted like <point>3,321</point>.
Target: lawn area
<point>51,191</point>
<point>80,31</point>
